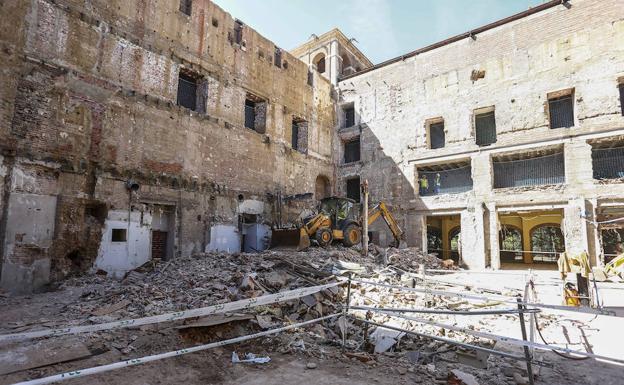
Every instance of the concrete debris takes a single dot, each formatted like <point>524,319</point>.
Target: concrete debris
<point>250,358</point>
<point>207,279</point>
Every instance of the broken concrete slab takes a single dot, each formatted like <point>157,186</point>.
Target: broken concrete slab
<point>42,353</point>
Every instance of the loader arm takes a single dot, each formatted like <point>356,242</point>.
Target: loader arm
<point>381,210</point>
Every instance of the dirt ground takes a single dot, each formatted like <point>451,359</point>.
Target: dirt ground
<point>312,354</point>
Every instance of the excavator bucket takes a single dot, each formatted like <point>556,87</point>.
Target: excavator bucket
<point>304,240</point>
<point>290,239</point>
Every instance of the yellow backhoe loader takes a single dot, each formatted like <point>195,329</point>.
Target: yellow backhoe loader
<point>335,221</point>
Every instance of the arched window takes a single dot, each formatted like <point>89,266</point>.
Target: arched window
<point>322,189</point>
<point>546,242</point>
<point>454,243</point>
<point>434,240</point>
<point>510,243</point>
<point>319,62</point>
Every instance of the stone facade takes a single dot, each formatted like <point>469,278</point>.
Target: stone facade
<point>97,155</point>
<point>513,69</point>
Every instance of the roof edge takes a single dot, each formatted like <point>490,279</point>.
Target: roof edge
<point>456,38</point>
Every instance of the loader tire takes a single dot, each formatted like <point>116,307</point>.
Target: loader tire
<point>324,237</point>
<point>352,235</point>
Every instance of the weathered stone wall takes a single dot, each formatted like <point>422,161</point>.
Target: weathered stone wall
<point>559,48</point>
<point>88,101</point>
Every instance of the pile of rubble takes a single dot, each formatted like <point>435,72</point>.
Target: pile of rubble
<point>208,279</point>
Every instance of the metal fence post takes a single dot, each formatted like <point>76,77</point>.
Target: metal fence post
<point>527,353</point>
<point>345,311</point>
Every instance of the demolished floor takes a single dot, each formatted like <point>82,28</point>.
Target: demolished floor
<point>312,354</point>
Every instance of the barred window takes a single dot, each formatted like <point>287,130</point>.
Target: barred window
<point>529,171</point>
<point>349,113</point>
<point>436,135</point>
<point>561,111</point>
<point>485,128</point>
<point>352,151</point>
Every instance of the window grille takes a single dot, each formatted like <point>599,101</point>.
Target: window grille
<point>485,127</point>
<point>561,112</point>
<point>436,133</point>
<point>608,163</point>
<point>543,170</point>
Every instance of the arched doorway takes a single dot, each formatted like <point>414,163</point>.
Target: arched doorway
<point>319,62</point>
<point>510,242</point>
<point>322,187</point>
<point>546,242</point>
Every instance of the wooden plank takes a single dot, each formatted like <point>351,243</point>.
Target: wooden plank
<point>43,353</point>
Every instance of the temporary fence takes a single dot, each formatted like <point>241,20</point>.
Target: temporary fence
<point>162,356</point>
<point>493,297</point>
<point>174,316</point>
<point>522,309</point>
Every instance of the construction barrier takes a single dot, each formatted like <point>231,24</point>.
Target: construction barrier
<point>493,297</point>
<point>162,356</point>
<point>175,316</point>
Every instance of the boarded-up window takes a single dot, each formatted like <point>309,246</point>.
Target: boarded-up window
<point>186,7</point>
<point>352,151</point>
<point>621,87</point>
<point>353,188</point>
<point>485,128</point>
<point>278,57</point>
<point>238,32</point>
<point>299,135</point>
<point>349,114</point>
<point>608,163</point>
<point>530,171</point>
<point>255,114</point>
<point>187,91</point>
<point>436,135</point>
<point>561,111</point>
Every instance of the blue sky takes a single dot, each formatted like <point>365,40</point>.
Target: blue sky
<point>383,28</point>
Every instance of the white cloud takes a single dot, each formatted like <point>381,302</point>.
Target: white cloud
<point>370,22</point>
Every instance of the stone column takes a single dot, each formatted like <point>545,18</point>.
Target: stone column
<point>494,242</point>
<point>333,62</point>
<point>472,240</point>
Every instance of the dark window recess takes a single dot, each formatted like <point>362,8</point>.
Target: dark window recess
<point>436,133</point>
<point>608,163</point>
<point>536,171</point>
<point>119,235</point>
<point>621,87</point>
<point>320,65</point>
<point>300,135</point>
<point>352,151</point>
<point>187,91</point>
<point>295,136</point>
<point>255,114</point>
<point>186,6</point>
<point>278,57</point>
<point>353,189</point>
<point>485,129</point>
<point>310,78</point>
<point>238,32</point>
<point>561,112</point>
<point>349,113</point>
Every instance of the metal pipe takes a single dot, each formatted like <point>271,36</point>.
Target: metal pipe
<point>527,353</point>
<point>453,312</point>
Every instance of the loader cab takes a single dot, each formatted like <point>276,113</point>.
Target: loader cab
<point>340,210</point>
